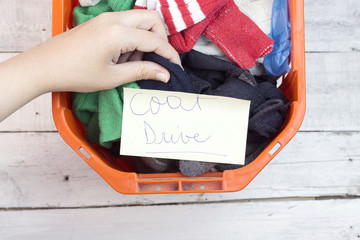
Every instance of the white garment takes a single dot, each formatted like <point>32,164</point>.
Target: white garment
<point>88,3</point>
<point>259,11</point>
<point>206,46</point>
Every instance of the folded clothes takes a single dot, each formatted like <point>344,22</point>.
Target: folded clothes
<point>212,76</point>
<point>259,11</point>
<point>159,164</point>
<point>100,112</point>
<point>220,20</point>
<point>179,80</point>
<point>268,106</point>
<point>195,168</point>
<point>206,46</point>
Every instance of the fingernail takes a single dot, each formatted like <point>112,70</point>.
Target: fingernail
<point>162,77</point>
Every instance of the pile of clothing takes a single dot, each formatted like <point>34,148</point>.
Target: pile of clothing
<point>232,48</point>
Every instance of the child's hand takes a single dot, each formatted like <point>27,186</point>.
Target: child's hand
<point>84,58</point>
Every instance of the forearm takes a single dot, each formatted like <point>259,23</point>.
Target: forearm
<point>102,53</point>
<point>20,82</point>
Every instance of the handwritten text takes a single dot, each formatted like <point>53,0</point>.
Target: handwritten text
<point>154,137</point>
<point>155,104</point>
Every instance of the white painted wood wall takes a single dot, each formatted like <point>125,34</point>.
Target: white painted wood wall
<point>311,190</point>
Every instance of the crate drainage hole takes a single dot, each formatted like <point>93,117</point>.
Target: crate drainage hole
<point>158,188</point>
<point>84,153</point>
<point>275,148</point>
<point>202,187</point>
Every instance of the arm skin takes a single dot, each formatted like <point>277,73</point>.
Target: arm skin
<point>102,53</point>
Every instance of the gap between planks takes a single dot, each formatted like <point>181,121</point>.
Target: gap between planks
<point>285,199</point>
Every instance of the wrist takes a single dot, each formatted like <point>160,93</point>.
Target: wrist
<point>17,85</point>
<point>34,71</point>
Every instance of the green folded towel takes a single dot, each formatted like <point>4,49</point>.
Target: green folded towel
<point>101,112</point>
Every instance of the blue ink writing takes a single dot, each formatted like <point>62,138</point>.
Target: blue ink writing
<point>155,104</point>
<point>153,137</point>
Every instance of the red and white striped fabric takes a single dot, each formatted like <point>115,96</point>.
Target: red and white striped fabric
<point>179,15</point>
<point>220,20</point>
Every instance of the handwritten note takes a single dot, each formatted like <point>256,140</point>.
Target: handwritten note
<point>184,126</point>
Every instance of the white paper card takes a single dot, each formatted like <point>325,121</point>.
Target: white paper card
<point>184,126</point>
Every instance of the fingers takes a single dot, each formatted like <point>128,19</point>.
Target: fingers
<point>148,20</point>
<point>145,41</point>
<point>124,57</point>
<point>136,56</point>
<point>137,70</point>
<point>140,30</point>
<point>130,56</point>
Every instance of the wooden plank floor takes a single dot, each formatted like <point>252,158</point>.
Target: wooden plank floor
<point>311,190</point>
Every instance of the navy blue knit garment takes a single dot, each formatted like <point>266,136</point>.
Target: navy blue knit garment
<point>208,75</point>
<point>179,80</point>
<point>268,107</point>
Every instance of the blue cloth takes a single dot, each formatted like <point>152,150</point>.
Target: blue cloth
<point>277,61</point>
<point>268,106</point>
<point>213,76</point>
<point>179,81</point>
<point>208,75</point>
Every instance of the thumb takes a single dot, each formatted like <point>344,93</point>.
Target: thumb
<point>139,70</point>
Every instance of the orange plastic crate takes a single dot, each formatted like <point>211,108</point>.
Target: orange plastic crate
<point>118,172</point>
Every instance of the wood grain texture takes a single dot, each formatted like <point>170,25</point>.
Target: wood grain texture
<point>282,220</point>
<point>332,26</point>
<point>333,92</point>
<point>40,170</point>
<point>24,24</point>
<point>34,116</point>
<point>6,56</point>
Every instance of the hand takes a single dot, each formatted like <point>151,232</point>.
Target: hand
<point>84,58</point>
